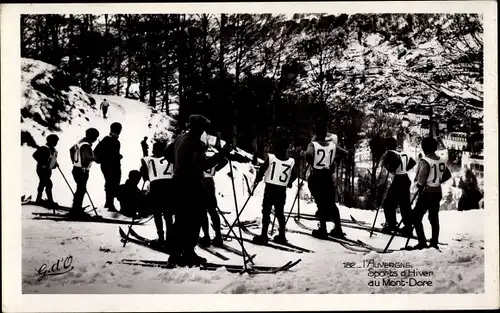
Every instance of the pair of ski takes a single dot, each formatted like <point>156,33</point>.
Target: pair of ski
<point>93,219</point>
<point>143,241</point>
<point>308,216</point>
<point>137,239</point>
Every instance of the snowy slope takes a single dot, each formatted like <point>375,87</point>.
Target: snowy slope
<point>96,248</point>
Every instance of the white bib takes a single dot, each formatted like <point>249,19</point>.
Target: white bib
<point>78,160</point>
<point>436,171</point>
<point>158,168</point>
<point>405,159</point>
<point>211,171</point>
<point>279,172</point>
<point>323,155</point>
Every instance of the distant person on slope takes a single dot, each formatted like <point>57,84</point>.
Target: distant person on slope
<point>208,181</point>
<point>145,147</point>
<point>431,173</point>
<point>46,158</point>
<point>188,156</point>
<point>104,107</point>
<point>159,173</point>
<point>130,196</point>
<point>279,172</point>
<point>398,164</point>
<point>321,154</point>
<point>108,155</point>
<point>82,157</point>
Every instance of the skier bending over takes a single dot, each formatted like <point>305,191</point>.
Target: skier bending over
<point>208,181</point>
<point>321,155</point>
<point>431,173</point>
<point>398,164</point>
<point>46,160</point>
<point>279,172</point>
<point>159,173</point>
<point>104,107</point>
<point>130,196</point>
<point>189,159</point>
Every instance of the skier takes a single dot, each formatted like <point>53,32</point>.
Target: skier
<point>82,157</point>
<point>159,172</point>
<point>209,184</point>
<point>431,173</point>
<point>145,147</point>
<point>321,154</point>
<point>189,159</point>
<point>46,158</point>
<point>104,107</point>
<point>398,164</point>
<point>279,172</point>
<point>130,196</point>
<point>471,195</point>
<point>108,155</point>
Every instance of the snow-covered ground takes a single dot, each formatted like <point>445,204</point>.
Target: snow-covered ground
<point>96,250</point>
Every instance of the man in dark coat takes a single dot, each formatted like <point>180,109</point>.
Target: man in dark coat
<point>187,154</point>
<point>46,160</point>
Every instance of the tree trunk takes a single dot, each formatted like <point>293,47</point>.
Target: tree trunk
<point>130,60</point>
<point>222,70</point>
<point>119,53</point>
<point>105,60</point>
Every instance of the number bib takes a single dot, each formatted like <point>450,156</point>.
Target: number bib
<point>323,155</point>
<point>158,168</point>
<point>279,172</point>
<point>437,168</point>
<point>404,162</point>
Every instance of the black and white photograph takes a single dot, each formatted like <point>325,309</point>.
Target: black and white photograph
<point>193,151</point>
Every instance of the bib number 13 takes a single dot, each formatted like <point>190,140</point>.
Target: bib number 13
<point>285,172</point>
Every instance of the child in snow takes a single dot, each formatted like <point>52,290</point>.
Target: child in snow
<point>46,159</point>
<point>398,164</point>
<point>158,172</point>
<point>82,157</point>
<point>131,198</point>
<point>279,172</point>
<point>208,181</point>
<point>321,154</point>
<point>432,172</point>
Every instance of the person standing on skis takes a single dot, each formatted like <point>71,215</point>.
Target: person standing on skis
<point>159,173</point>
<point>208,181</point>
<point>431,173</point>
<point>320,155</point>
<point>188,156</point>
<point>279,172</point>
<point>82,158</point>
<point>108,155</point>
<point>46,160</point>
<point>145,147</point>
<point>104,107</point>
<point>398,164</point>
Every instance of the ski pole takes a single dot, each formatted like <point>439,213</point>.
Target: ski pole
<point>399,224</point>
<point>92,203</point>
<point>378,206</point>
<point>67,183</point>
<point>237,214</point>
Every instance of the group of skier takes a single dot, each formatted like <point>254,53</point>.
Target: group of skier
<point>183,171</point>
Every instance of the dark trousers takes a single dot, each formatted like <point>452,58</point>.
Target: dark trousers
<point>274,196</point>
<point>211,208</point>
<point>323,191</point>
<point>104,111</point>
<point>427,201</point>
<point>398,195</point>
<point>190,212</point>
<point>45,183</point>
<point>112,176</point>
<point>160,194</point>
<point>81,177</point>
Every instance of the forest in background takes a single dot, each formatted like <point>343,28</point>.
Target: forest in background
<point>252,74</point>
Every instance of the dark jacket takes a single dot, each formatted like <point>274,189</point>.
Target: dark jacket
<point>107,152</point>
<point>131,198</point>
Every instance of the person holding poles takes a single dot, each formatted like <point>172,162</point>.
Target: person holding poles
<point>320,155</point>
<point>46,161</point>
<point>159,173</point>
<point>431,173</point>
<point>279,172</point>
<point>398,164</point>
<point>82,157</point>
<point>208,181</point>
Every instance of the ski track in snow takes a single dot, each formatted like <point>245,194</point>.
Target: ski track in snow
<point>96,248</point>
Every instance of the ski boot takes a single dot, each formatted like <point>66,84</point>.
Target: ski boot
<point>320,233</point>
<point>217,241</point>
<point>337,233</point>
<point>78,214</point>
<point>260,240</point>
<point>406,231</point>
<point>205,241</point>
<point>40,201</point>
<point>388,229</point>
<point>419,246</point>
<point>434,245</point>
<point>192,259</point>
<point>280,239</point>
